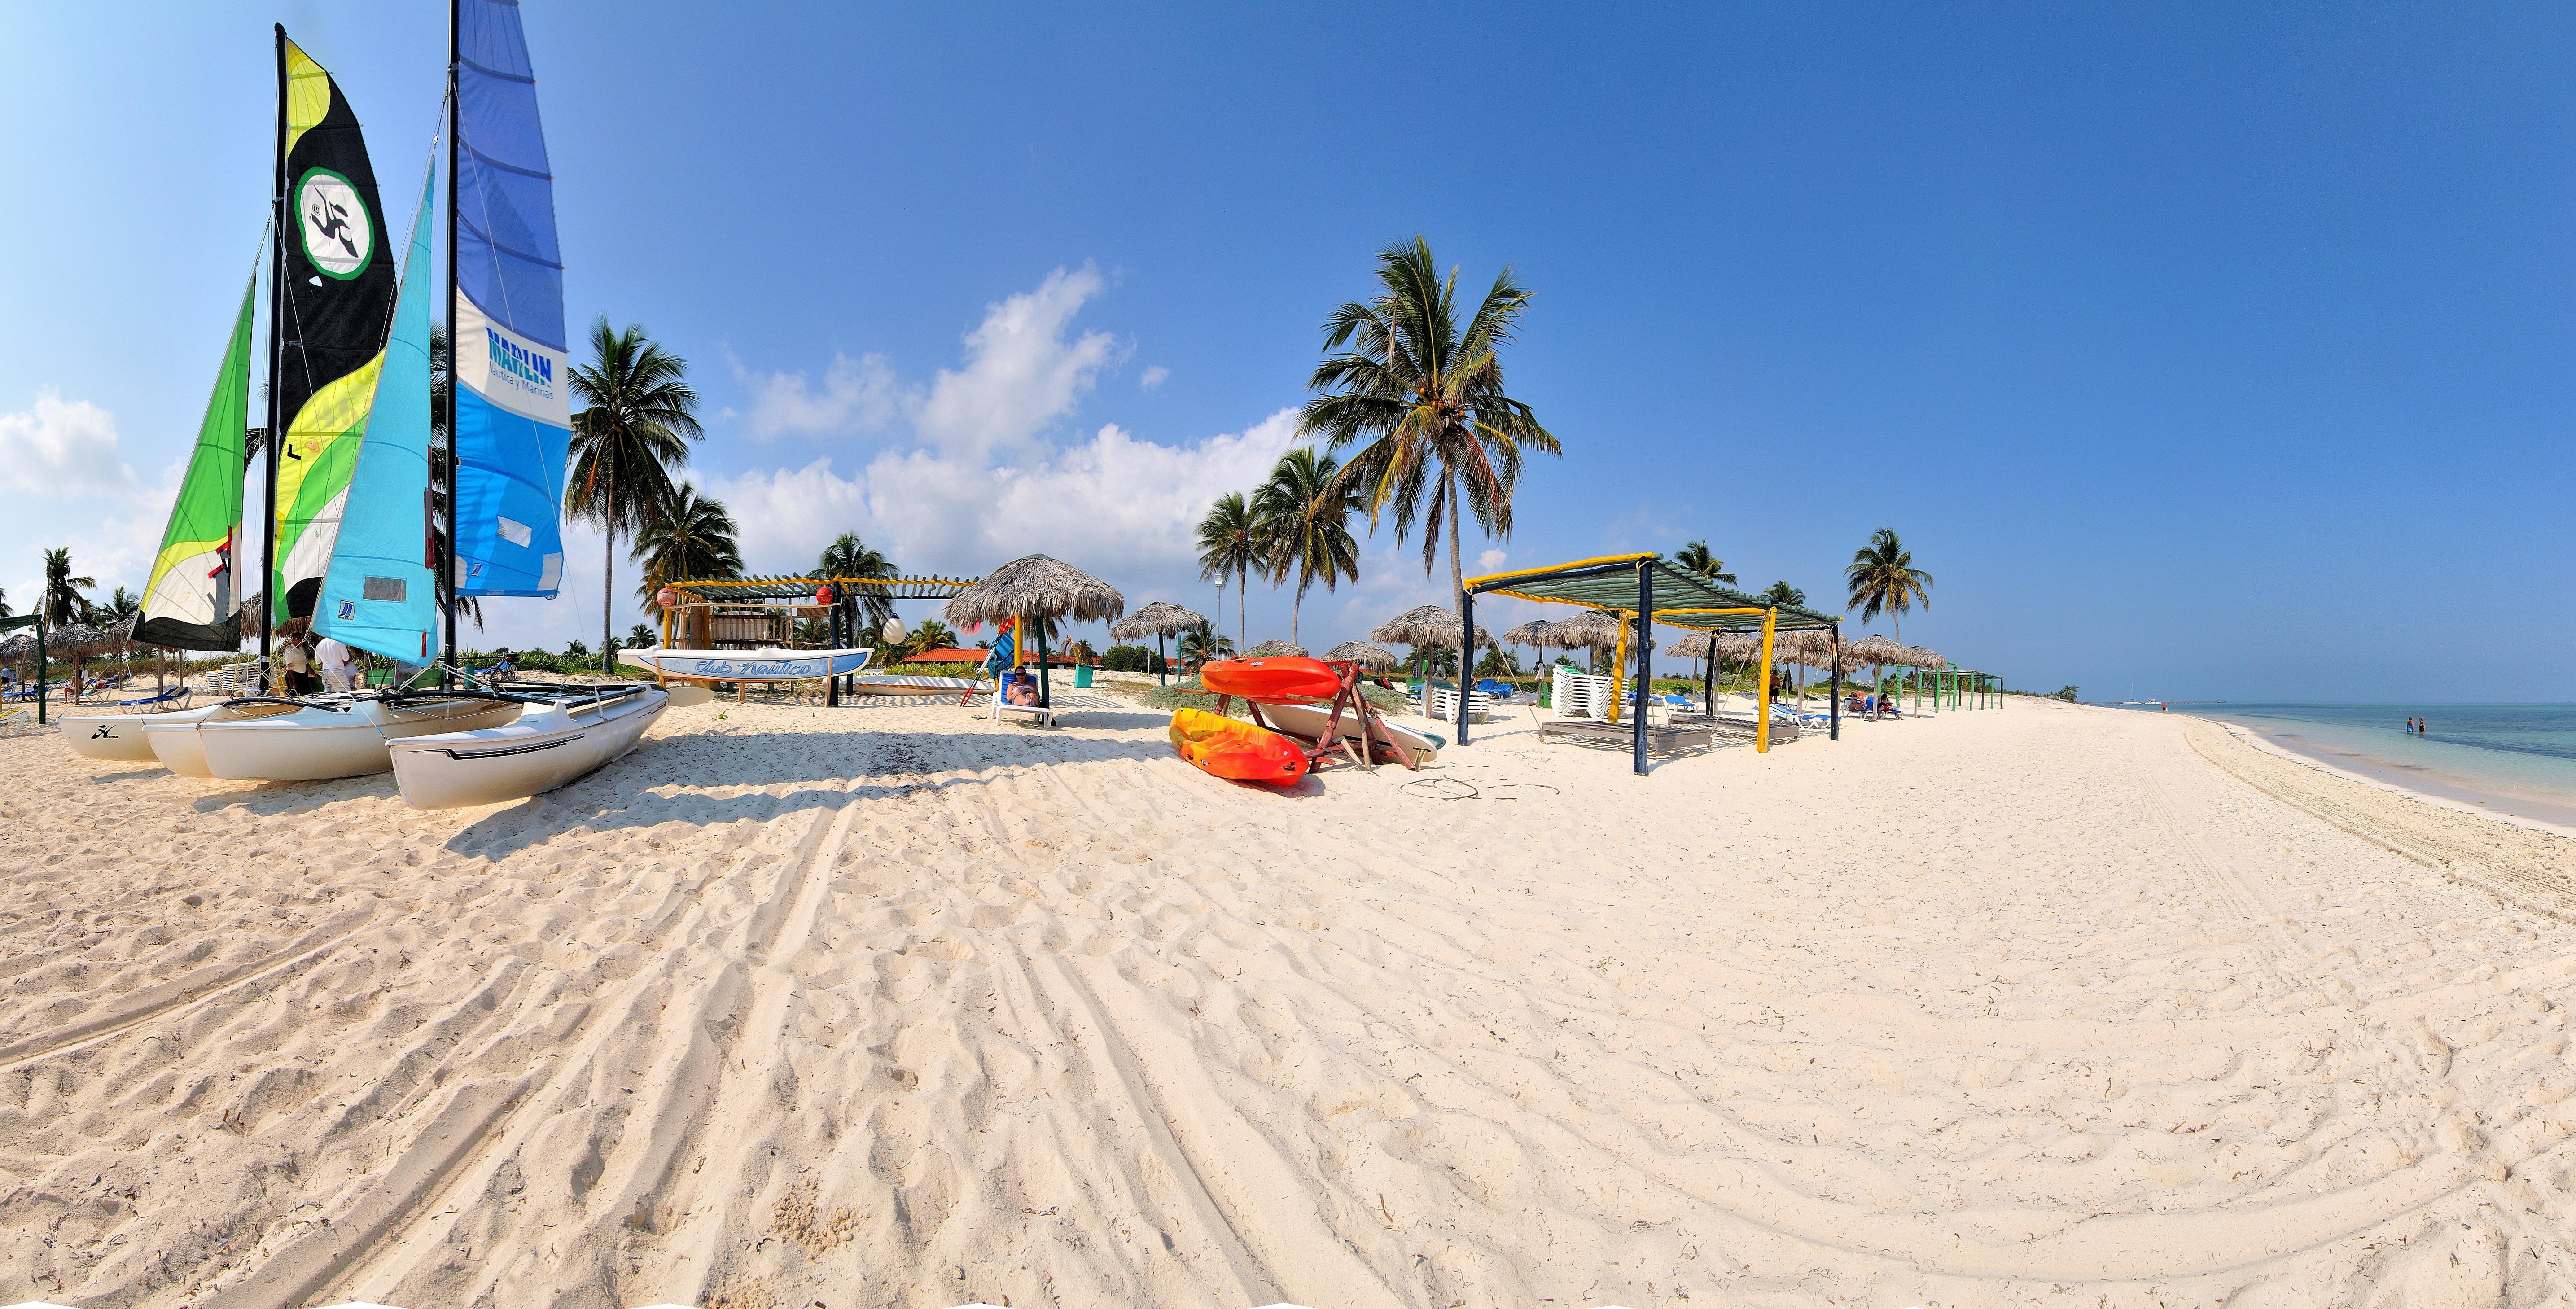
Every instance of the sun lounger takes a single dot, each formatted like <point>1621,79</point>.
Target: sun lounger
<point>13,722</point>
<point>174,698</point>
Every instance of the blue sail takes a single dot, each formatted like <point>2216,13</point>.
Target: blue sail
<point>378,593</point>
<point>513,408</point>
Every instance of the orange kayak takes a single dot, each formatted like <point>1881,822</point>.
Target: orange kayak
<point>1238,751</point>
<point>1264,680</point>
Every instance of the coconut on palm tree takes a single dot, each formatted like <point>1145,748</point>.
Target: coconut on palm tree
<point>1698,560</point>
<point>1884,580</point>
<point>690,539</point>
<point>62,601</point>
<point>1443,437</point>
<point>642,416</point>
<point>1304,512</point>
<point>1230,541</point>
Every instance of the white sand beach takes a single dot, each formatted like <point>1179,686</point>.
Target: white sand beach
<point>894,1006</point>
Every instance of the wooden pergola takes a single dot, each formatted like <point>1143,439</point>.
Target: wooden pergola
<point>754,594</point>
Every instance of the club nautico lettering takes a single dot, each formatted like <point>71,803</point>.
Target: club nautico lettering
<point>526,365</point>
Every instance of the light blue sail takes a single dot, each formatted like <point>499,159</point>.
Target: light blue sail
<point>379,593</point>
<point>513,410</point>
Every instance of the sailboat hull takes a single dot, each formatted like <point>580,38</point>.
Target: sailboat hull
<point>316,743</point>
<point>119,738</point>
<point>547,747</point>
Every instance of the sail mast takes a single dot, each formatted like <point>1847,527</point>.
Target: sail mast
<point>455,351</point>
<point>276,349</point>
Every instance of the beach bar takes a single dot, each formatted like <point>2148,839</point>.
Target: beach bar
<point>1640,589</point>
<point>749,612</point>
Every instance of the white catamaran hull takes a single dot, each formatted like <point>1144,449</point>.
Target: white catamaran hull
<point>119,737</point>
<point>318,742</point>
<point>173,737</point>
<point>746,665</point>
<point>548,746</point>
<point>1308,721</point>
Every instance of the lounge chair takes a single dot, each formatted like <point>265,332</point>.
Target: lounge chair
<point>1497,689</point>
<point>19,721</point>
<point>174,698</point>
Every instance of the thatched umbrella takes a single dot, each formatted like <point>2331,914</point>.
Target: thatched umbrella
<point>1593,629</point>
<point>1537,633</point>
<point>18,648</point>
<point>1158,620</point>
<point>1878,652</point>
<point>1426,627</point>
<point>1274,649</point>
<point>1365,654</point>
<point>1040,588</point>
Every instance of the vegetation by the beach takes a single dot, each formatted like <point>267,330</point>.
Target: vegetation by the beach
<point>1442,435</point>
<point>1698,560</point>
<point>1130,659</point>
<point>691,539</point>
<point>1230,542</point>
<point>1883,579</point>
<point>641,417</point>
<point>848,556</point>
<point>1302,515</point>
<point>62,600</point>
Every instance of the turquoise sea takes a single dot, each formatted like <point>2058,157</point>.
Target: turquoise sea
<point>2515,759</point>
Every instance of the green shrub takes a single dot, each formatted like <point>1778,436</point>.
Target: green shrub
<point>1130,659</point>
<point>933,670</point>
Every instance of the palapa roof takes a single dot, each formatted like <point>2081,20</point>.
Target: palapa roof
<point>1681,599</point>
<point>1036,585</point>
<point>1693,645</point>
<point>1274,649</point>
<point>1927,659</point>
<point>1425,625</point>
<point>1877,649</point>
<point>75,638</point>
<point>1365,654</point>
<point>1161,618</point>
<point>1593,629</point>
<point>21,646</point>
<point>1537,631</point>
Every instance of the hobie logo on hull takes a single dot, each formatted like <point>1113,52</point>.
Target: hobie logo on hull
<point>526,365</point>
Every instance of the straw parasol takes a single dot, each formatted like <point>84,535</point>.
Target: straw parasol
<point>1927,659</point>
<point>1425,625</point>
<point>1157,620</point>
<point>73,640</point>
<point>1274,649</point>
<point>1878,652</point>
<point>1036,586</point>
<point>1365,654</point>
<point>18,648</point>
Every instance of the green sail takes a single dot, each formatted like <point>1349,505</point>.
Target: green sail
<point>190,603</point>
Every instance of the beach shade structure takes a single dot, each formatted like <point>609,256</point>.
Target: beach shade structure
<point>1364,653</point>
<point>18,649</point>
<point>1538,634</point>
<point>1273,650</point>
<point>1038,587</point>
<point>1640,590</point>
<point>1158,620</point>
<point>77,640</point>
<point>1703,647</point>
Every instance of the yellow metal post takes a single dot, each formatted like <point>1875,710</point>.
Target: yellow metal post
<point>1618,671</point>
<point>1762,698</point>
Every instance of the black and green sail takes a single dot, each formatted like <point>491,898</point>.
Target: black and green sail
<point>335,304</point>
<point>190,602</point>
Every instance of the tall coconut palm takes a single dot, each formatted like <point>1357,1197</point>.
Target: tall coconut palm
<point>1884,580</point>
<point>688,539</point>
<point>932,634</point>
<point>643,413</point>
<point>1443,436</point>
<point>1230,541</point>
<point>848,556</point>
<point>62,600</point>
<point>1304,515</point>
<point>1698,560</point>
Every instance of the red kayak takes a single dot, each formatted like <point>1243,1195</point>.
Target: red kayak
<point>1235,750</point>
<point>1285,680</point>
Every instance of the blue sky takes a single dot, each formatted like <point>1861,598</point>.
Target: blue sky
<point>2208,351</point>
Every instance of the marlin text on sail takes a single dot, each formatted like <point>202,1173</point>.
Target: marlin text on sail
<point>525,365</point>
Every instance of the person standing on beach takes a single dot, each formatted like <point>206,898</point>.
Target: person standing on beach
<point>337,663</point>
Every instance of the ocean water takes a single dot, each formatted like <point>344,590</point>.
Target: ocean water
<point>2516,759</point>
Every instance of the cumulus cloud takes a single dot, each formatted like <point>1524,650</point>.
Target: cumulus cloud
<point>1020,372</point>
<point>858,395</point>
<point>1154,375</point>
<point>59,448</point>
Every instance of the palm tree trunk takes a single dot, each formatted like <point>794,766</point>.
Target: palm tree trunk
<point>607,565</point>
<point>1296,607</point>
<point>1242,608</point>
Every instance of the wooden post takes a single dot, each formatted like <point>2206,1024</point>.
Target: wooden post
<point>1762,698</point>
<point>1835,733</point>
<point>40,659</point>
<point>832,632</point>
<point>1466,658</point>
<point>1645,657</point>
<point>1708,679</point>
<point>1046,691</point>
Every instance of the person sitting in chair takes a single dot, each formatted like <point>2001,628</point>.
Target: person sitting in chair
<point>1019,688</point>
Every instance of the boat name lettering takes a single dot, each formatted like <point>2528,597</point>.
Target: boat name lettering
<point>526,365</point>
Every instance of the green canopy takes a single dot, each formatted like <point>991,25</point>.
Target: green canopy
<point>1681,599</point>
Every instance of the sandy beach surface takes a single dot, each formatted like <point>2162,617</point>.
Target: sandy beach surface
<point>895,1006</point>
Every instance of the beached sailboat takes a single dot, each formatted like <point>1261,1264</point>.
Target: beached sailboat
<point>510,421</point>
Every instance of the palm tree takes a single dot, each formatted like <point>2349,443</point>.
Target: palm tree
<point>642,416</point>
<point>639,636</point>
<point>1202,643</point>
<point>1696,559</point>
<point>1304,514</point>
<point>848,556</point>
<point>1230,541</point>
<point>62,601</point>
<point>118,606</point>
<point>1431,399</point>
<point>931,635</point>
<point>469,606</point>
<point>688,539</point>
<point>4,602</point>
<point>1884,580</point>
<point>1781,593</point>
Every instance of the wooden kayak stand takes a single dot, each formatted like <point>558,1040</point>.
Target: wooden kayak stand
<point>1333,745</point>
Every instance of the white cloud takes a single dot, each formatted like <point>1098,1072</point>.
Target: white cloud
<point>1154,375</point>
<point>59,449</point>
<point>1020,373</point>
<point>858,395</point>
<point>1490,561</point>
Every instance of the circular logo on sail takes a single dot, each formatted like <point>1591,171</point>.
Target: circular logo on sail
<point>337,236</point>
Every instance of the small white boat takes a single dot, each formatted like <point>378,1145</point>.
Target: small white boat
<point>323,739</point>
<point>119,737</point>
<point>746,665</point>
<point>916,686</point>
<point>551,743</point>
<point>173,737</point>
<point>1309,720</point>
